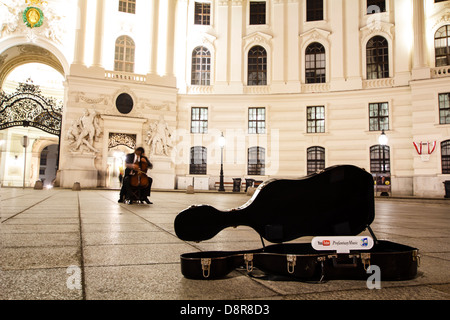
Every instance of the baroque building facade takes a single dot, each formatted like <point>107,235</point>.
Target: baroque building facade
<point>294,86</point>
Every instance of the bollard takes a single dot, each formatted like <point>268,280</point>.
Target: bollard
<point>190,190</point>
<point>38,185</point>
<point>76,186</point>
<point>251,191</point>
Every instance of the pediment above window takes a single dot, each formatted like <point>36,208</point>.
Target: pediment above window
<point>315,34</point>
<point>376,27</point>
<point>257,38</point>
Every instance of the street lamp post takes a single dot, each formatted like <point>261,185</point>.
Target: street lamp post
<point>222,142</point>
<point>383,140</point>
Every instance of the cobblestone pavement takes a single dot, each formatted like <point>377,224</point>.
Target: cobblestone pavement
<point>53,238</point>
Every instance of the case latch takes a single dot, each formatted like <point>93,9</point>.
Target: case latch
<point>206,267</point>
<point>416,257</point>
<point>365,258</point>
<point>248,258</point>
<point>291,262</point>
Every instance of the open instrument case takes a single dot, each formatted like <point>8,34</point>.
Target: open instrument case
<point>337,202</point>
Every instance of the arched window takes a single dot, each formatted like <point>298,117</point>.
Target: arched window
<point>316,159</point>
<point>201,67</point>
<point>256,161</point>
<point>124,57</point>
<point>198,160</point>
<point>445,156</point>
<point>377,58</point>
<point>315,65</point>
<point>442,46</point>
<point>257,66</point>
<point>380,159</point>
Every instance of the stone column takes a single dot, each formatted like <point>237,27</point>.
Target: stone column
<point>154,38</point>
<point>99,29</point>
<point>80,35</point>
<point>235,58</point>
<point>420,68</point>
<point>223,46</point>
<point>170,37</point>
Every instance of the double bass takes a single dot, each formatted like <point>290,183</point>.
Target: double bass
<point>139,178</point>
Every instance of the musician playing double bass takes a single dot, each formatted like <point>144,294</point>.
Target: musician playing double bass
<point>137,165</point>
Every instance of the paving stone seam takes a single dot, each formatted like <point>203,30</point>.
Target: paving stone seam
<point>15,215</point>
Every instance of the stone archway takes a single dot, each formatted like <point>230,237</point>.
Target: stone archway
<point>24,107</point>
<point>21,54</point>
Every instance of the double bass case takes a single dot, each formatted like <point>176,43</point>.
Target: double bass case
<point>339,201</point>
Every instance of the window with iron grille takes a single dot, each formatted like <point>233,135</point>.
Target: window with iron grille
<point>128,6</point>
<point>444,108</point>
<point>315,65</point>
<point>314,10</point>
<point>376,6</point>
<point>378,116</point>
<point>257,120</point>
<point>199,120</point>
<point>316,159</point>
<point>256,161</point>
<point>198,164</point>
<point>445,156</point>
<point>201,67</point>
<point>380,159</point>
<point>202,13</point>
<point>124,55</point>
<point>442,46</point>
<point>257,12</point>
<point>377,55</point>
<point>257,66</point>
<point>316,119</point>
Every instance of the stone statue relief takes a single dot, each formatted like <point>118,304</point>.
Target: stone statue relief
<point>159,138</point>
<point>84,132</point>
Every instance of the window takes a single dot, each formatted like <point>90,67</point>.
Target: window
<point>198,160</point>
<point>315,63</point>
<point>442,46</point>
<point>314,10</point>
<point>257,12</point>
<point>256,161</point>
<point>202,13</point>
<point>257,66</point>
<point>124,57</point>
<point>201,67</point>
<point>257,120</point>
<point>376,6</point>
<point>316,159</point>
<point>316,119</point>
<point>378,116</point>
<point>380,159</point>
<point>444,108</point>
<point>377,58</point>
<point>199,120</point>
<point>128,6</point>
<point>445,155</point>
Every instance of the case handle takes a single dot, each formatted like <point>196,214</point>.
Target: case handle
<point>336,264</point>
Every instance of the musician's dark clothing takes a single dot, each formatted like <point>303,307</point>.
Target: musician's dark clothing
<point>126,191</point>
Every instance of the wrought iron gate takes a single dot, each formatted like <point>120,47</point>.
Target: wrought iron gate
<point>27,107</point>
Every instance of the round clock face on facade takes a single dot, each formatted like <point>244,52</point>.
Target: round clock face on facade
<point>124,103</point>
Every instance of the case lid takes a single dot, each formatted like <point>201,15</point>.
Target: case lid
<point>339,201</point>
